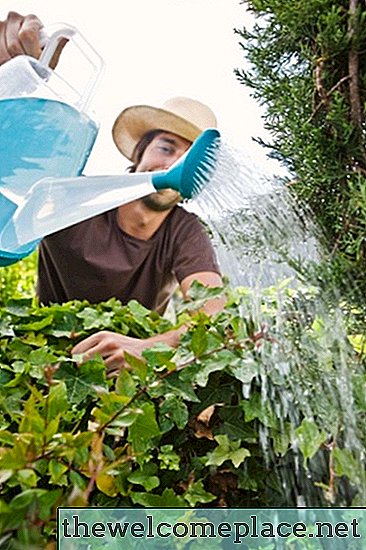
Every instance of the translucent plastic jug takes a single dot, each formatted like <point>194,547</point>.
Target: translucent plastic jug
<point>46,128</point>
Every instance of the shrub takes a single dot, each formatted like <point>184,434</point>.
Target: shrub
<point>232,417</point>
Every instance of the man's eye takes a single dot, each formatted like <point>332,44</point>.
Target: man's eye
<point>165,150</point>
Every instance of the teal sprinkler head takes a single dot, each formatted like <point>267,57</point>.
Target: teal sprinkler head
<point>194,169</point>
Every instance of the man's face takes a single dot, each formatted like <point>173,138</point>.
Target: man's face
<point>160,154</point>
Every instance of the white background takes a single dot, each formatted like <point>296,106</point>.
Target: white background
<point>156,49</point>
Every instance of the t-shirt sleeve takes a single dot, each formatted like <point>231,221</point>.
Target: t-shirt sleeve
<point>193,250</point>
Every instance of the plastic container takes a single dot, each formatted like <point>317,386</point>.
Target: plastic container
<point>46,127</point>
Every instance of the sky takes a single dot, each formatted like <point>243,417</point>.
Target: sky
<point>154,50</point>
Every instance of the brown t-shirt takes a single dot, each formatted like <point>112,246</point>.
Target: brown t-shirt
<point>96,260</point>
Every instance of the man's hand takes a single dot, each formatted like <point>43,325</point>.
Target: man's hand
<point>111,346</point>
<point>21,34</point>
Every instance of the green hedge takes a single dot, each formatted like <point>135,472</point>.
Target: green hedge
<point>248,411</point>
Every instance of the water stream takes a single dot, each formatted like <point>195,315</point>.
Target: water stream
<point>269,248</point>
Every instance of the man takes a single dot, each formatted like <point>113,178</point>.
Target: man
<point>139,250</point>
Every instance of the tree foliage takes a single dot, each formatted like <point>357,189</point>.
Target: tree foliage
<point>307,66</point>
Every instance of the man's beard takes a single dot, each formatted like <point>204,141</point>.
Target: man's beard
<point>162,201</point>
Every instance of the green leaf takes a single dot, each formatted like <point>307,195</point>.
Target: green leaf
<point>57,402</point>
<point>169,459</point>
<point>282,439</point>
<point>144,429</point>
<point>32,422</point>
<point>138,365</point>
<point>37,325</point>
<point>309,438</point>
<point>80,380</point>
<point>159,355</point>
<point>27,478</point>
<point>42,357</point>
<point>176,410</point>
<point>146,477</point>
<point>56,472</point>
<point>168,499</point>
<point>246,370</point>
<point>94,319</point>
<point>216,362</point>
<point>181,388</point>
<point>227,450</point>
<point>6,327</point>
<point>125,385</point>
<point>257,407</point>
<point>346,464</point>
<point>196,494</point>
<point>199,340</point>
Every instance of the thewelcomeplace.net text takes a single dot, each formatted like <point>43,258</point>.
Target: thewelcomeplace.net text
<point>239,531</point>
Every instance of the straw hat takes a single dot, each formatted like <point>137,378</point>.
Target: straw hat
<point>182,116</point>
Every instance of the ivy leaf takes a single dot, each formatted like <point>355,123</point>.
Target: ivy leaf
<point>144,429</point>
<point>80,380</point>
<point>227,450</point>
<point>216,362</point>
<point>6,327</point>
<point>181,388</point>
<point>19,307</point>
<point>309,438</point>
<point>37,325</point>
<point>282,439</point>
<point>139,312</point>
<point>94,319</point>
<point>146,477</point>
<point>199,340</point>
<point>160,355</point>
<point>168,499</point>
<point>256,407</point>
<point>345,464</point>
<point>196,494</point>
<point>125,385</point>
<point>41,357</point>
<point>246,371</point>
<point>138,365</point>
<point>232,424</point>
<point>176,410</point>
<point>169,460</point>
<point>57,402</point>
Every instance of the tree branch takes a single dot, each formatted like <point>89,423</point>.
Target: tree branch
<point>353,67</point>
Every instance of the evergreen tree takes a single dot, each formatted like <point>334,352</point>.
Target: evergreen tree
<point>308,68</point>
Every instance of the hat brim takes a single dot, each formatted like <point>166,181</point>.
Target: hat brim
<point>134,122</point>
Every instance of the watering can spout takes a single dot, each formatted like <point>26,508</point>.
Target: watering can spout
<point>194,169</point>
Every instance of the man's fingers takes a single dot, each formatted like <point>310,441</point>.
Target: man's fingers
<point>4,54</point>
<point>13,24</point>
<point>19,35</point>
<point>29,36</point>
<point>86,344</point>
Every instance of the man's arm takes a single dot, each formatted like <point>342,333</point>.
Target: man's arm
<point>111,345</point>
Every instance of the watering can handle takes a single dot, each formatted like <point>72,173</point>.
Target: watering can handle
<point>51,37</point>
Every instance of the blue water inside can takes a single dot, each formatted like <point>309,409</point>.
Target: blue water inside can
<point>38,138</point>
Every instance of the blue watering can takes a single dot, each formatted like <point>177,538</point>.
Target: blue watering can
<point>46,128</point>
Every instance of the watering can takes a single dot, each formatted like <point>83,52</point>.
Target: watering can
<point>52,203</point>
<point>46,127</point>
